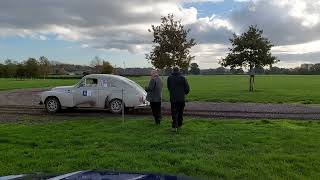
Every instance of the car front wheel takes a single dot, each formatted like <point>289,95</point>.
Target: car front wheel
<point>116,106</point>
<point>52,105</point>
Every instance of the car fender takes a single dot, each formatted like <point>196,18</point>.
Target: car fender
<point>130,97</point>
<point>66,99</point>
<point>117,94</point>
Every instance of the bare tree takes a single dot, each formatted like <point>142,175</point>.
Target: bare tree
<point>44,67</point>
<point>96,63</point>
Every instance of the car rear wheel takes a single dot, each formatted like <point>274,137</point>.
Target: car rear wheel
<point>52,105</point>
<point>116,106</point>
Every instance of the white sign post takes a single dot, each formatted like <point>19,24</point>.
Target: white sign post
<point>122,104</point>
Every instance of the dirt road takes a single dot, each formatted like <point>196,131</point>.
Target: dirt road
<point>25,102</point>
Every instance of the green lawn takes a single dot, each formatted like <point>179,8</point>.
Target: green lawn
<point>10,84</point>
<point>216,149</point>
<point>225,88</point>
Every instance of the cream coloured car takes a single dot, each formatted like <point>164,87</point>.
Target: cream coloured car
<point>96,91</point>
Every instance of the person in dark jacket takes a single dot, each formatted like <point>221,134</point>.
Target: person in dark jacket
<point>154,95</point>
<point>178,87</point>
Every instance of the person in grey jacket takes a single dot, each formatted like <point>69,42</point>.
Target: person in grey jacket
<point>178,87</point>
<point>154,95</point>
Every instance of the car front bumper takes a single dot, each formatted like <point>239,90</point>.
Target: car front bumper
<point>144,105</point>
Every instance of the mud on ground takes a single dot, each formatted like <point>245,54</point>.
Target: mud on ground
<point>17,104</point>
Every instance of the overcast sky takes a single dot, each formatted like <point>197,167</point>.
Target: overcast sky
<point>74,31</point>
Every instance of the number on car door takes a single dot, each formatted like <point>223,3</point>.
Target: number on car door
<point>87,93</point>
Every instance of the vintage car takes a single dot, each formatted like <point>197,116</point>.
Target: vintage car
<point>96,91</point>
<point>97,174</point>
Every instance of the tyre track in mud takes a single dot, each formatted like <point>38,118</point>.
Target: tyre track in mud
<point>22,102</point>
<point>14,110</point>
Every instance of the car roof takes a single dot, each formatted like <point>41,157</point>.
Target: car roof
<point>105,76</point>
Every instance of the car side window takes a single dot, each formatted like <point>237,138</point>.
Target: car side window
<point>91,82</point>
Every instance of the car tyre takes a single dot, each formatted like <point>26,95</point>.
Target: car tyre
<point>52,105</point>
<point>115,106</point>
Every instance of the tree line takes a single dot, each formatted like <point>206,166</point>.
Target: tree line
<point>30,68</point>
<point>314,70</point>
<point>43,67</point>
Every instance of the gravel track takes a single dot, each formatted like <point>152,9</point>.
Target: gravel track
<point>18,103</point>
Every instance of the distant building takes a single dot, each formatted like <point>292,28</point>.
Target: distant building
<point>133,71</point>
<point>306,66</point>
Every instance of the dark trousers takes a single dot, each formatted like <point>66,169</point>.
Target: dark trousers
<point>177,109</point>
<point>156,111</point>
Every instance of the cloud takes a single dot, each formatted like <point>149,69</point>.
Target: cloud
<point>211,30</point>
<point>197,1</point>
<point>90,22</point>
<point>292,25</point>
<point>303,48</point>
<point>206,55</point>
<point>284,22</point>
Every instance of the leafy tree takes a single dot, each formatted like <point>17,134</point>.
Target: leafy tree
<point>167,71</point>
<point>21,71</point>
<point>45,67</point>
<point>106,68</point>
<point>315,69</point>
<point>2,70</point>
<point>250,50</point>
<point>185,71</point>
<point>32,68</point>
<point>220,70</point>
<point>171,45</point>
<point>10,68</point>
<point>194,69</point>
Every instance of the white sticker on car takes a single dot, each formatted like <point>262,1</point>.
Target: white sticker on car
<point>89,93</point>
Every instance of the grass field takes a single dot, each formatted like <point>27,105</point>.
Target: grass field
<point>215,149</point>
<point>226,88</point>
<point>9,84</point>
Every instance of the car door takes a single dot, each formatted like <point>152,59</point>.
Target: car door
<point>86,94</point>
<point>104,92</point>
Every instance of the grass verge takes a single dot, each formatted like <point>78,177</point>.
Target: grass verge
<point>210,149</point>
<point>301,89</point>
